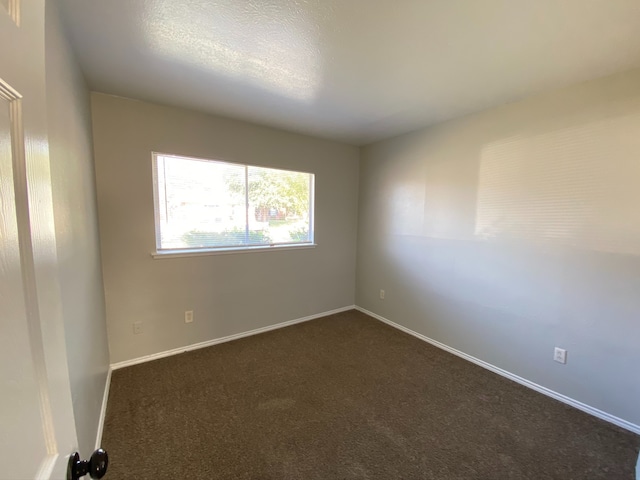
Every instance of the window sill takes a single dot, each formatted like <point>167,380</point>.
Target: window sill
<point>228,251</point>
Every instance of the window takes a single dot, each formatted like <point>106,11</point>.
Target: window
<point>208,205</point>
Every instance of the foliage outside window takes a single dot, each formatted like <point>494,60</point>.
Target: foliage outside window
<point>212,205</point>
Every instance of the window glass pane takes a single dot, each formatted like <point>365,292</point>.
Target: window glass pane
<point>279,201</point>
<point>206,204</point>
<point>200,203</point>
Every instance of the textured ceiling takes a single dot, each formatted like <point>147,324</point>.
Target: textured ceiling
<point>350,70</point>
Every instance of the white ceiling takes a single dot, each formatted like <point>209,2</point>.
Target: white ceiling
<point>350,70</point>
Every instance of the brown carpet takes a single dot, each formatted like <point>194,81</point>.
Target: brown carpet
<point>346,397</point>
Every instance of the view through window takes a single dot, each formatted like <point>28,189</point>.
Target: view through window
<point>209,205</point>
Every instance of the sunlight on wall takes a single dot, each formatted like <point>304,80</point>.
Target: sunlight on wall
<point>276,52</point>
<point>577,186</point>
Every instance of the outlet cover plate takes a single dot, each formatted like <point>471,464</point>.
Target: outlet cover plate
<point>137,328</point>
<point>560,355</point>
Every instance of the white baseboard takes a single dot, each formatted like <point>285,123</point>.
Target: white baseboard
<point>522,381</point>
<point>215,341</point>
<point>103,409</point>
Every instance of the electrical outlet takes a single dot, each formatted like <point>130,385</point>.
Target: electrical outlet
<point>381,294</point>
<point>188,316</point>
<point>560,355</point>
<point>137,328</point>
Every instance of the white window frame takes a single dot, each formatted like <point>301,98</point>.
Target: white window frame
<point>197,251</point>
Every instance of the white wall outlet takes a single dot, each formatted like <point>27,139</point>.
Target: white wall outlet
<point>381,294</point>
<point>188,316</point>
<point>137,328</point>
<point>560,355</point>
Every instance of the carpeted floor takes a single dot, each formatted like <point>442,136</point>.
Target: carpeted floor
<point>346,397</point>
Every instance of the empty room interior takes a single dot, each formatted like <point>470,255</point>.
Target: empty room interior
<point>320,239</point>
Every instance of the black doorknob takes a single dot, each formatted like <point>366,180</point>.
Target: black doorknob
<point>96,466</point>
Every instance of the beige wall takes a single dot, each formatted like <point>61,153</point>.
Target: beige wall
<point>228,293</point>
<point>76,227</point>
<point>509,232</point>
